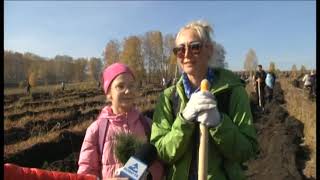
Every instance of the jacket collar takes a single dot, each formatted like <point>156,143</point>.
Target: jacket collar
<point>131,116</point>
<point>188,89</point>
<point>222,80</point>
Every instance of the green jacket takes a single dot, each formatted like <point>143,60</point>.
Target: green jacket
<point>231,142</point>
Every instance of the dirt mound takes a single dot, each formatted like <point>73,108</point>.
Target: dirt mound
<point>14,135</point>
<point>282,154</point>
<point>279,136</point>
<point>68,164</point>
<point>303,107</point>
<point>42,154</point>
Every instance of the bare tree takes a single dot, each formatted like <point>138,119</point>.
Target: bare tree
<point>111,52</point>
<point>132,55</point>
<point>79,70</point>
<point>171,66</point>
<point>153,53</point>
<point>63,67</point>
<point>32,79</point>
<point>94,68</point>
<point>218,56</point>
<point>251,61</point>
<point>39,70</point>
<point>294,71</point>
<point>303,70</point>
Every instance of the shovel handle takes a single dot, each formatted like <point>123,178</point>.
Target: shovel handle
<point>259,94</point>
<point>203,146</point>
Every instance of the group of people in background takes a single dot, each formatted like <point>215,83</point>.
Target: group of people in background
<point>223,108</point>
<point>168,82</point>
<point>264,85</point>
<point>310,83</point>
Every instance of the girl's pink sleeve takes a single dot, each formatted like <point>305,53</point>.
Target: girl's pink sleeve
<point>89,162</point>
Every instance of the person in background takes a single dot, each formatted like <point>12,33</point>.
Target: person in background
<point>122,116</point>
<point>225,111</point>
<point>169,82</point>
<point>260,77</point>
<point>270,82</point>
<point>244,78</point>
<point>62,86</point>
<point>174,81</point>
<point>307,82</point>
<point>163,82</point>
<point>248,78</point>
<point>28,87</point>
<point>313,83</point>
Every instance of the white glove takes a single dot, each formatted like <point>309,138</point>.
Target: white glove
<point>199,101</point>
<point>209,118</point>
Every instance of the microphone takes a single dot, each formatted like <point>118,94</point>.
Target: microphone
<point>137,165</point>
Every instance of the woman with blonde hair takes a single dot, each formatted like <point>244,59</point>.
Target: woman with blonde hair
<point>224,109</point>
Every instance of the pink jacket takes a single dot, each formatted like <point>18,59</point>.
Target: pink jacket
<point>89,162</point>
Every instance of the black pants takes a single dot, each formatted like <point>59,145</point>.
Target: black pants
<point>269,93</point>
<point>309,88</point>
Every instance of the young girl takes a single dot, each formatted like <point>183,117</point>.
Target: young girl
<point>118,85</point>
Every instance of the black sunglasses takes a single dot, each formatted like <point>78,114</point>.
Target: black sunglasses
<point>194,47</point>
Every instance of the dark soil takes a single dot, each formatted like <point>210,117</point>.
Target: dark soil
<point>279,136</point>
<point>54,155</point>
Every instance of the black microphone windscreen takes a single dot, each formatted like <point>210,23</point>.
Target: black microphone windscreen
<point>147,153</point>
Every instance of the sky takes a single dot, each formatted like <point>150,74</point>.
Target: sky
<point>282,32</point>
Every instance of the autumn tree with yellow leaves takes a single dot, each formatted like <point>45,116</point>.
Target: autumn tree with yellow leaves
<point>132,56</point>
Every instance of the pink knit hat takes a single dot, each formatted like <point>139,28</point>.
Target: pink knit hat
<point>111,72</point>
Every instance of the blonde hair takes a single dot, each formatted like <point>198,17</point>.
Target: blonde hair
<point>204,31</point>
<point>202,28</point>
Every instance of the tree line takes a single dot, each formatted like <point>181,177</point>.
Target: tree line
<point>149,55</point>
<point>20,68</point>
<point>251,63</point>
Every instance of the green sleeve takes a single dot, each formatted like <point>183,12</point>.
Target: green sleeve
<point>172,137</point>
<point>235,136</point>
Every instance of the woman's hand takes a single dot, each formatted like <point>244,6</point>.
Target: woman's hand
<point>199,101</point>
